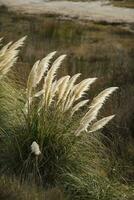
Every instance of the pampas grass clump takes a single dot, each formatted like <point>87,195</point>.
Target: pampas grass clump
<point>64,95</point>
<point>68,151</point>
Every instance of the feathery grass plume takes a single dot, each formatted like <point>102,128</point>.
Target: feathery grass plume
<point>102,96</point>
<point>8,56</point>
<point>95,107</point>
<point>82,87</point>
<point>70,86</point>
<point>101,123</point>
<point>50,77</point>
<point>78,106</point>
<point>52,93</point>
<point>35,76</point>
<point>62,89</point>
<point>4,49</point>
<point>17,44</point>
<point>78,91</point>
<point>31,82</point>
<point>37,72</point>
<point>59,83</point>
<point>43,66</point>
<point>56,88</point>
<point>8,89</point>
<point>87,119</point>
<point>98,102</point>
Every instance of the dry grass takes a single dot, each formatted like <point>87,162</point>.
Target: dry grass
<point>123,3</point>
<point>11,189</point>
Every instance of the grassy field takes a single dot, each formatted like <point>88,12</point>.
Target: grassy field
<point>98,50</point>
<point>124,3</point>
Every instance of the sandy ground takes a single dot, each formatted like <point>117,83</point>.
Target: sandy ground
<point>96,11</point>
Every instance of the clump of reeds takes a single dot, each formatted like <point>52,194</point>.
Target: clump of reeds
<point>64,95</point>
<point>54,139</point>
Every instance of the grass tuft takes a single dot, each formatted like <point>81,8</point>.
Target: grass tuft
<point>68,150</point>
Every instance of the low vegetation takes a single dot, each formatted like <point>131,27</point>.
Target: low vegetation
<point>123,3</point>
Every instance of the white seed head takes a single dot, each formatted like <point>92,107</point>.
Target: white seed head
<point>9,55</point>
<point>35,148</point>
